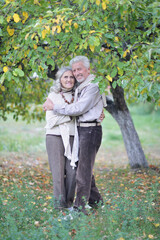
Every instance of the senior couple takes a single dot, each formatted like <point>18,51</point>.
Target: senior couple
<point>74,111</point>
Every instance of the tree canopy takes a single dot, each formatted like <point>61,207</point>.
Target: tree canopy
<point>120,37</point>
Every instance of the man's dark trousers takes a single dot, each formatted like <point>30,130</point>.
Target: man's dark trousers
<point>89,143</point>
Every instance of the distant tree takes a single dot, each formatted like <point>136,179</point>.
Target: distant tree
<point>120,37</point>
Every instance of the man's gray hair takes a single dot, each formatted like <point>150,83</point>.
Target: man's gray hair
<point>57,83</point>
<point>82,59</point>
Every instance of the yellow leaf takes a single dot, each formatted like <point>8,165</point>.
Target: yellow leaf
<point>66,31</point>
<point>53,29</point>
<point>47,28</point>
<point>54,53</point>
<point>36,2</point>
<point>135,57</point>
<point>109,78</point>
<point>84,9</point>
<point>156,224</point>
<point>120,71</point>
<point>44,32</point>
<point>10,31</point>
<point>5,69</point>
<point>26,53</point>
<point>105,19</point>
<point>98,2</point>
<point>8,18</point>
<point>35,46</point>
<point>143,91</point>
<point>70,22</point>
<point>104,6</point>
<point>116,39</point>
<point>92,31</point>
<point>151,65</point>
<point>92,48</point>
<point>26,36</point>
<point>3,88</point>
<point>107,50</point>
<point>64,25</point>
<point>33,35</point>
<point>154,73</point>
<point>125,53</point>
<point>48,197</point>
<point>121,238</point>
<point>75,25</point>
<point>151,236</point>
<point>15,47</point>
<point>25,15</point>
<point>58,29</point>
<point>16,17</point>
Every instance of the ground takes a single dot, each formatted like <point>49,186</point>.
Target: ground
<point>105,158</point>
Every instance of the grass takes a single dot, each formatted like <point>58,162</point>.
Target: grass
<point>22,137</point>
<point>131,207</point>
<point>146,124</point>
<point>131,199</point>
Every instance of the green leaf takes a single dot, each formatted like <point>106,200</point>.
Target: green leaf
<point>108,35</point>
<point>1,33</point>
<point>114,84</point>
<point>2,78</point>
<point>1,19</point>
<point>18,72</point>
<point>114,72</point>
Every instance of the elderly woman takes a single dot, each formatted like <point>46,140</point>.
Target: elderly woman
<point>62,147</point>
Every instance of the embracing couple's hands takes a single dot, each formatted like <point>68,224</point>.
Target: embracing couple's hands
<point>102,116</point>
<point>48,105</point>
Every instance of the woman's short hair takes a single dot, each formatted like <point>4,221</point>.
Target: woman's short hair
<point>57,83</point>
<point>82,59</point>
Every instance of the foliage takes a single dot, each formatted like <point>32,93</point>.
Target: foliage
<point>131,207</point>
<point>120,37</point>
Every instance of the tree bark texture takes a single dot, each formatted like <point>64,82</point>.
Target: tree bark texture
<point>120,112</point>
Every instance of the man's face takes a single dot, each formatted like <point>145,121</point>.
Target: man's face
<point>80,71</point>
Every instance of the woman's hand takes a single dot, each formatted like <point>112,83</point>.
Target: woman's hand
<point>48,105</point>
<point>102,116</point>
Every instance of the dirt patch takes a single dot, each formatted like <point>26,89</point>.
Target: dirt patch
<point>24,160</point>
<point>118,158</point>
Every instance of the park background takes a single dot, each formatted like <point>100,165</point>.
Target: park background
<point>122,39</point>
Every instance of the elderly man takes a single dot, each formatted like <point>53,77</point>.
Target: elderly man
<point>87,107</point>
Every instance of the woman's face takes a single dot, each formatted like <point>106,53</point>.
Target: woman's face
<point>67,80</point>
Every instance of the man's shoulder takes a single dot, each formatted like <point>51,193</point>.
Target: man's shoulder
<point>92,85</point>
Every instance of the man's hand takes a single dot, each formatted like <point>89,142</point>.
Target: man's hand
<point>102,116</point>
<point>48,105</point>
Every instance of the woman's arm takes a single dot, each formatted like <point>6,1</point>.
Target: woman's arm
<point>55,119</point>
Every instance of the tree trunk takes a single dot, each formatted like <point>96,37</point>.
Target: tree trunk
<point>120,112</point>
